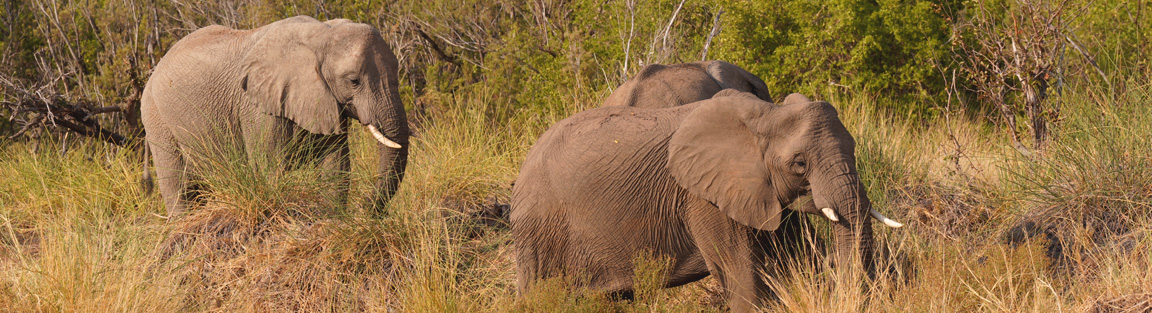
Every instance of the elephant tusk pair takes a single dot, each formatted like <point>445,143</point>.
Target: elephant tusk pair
<point>384,140</point>
<point>828,212</point>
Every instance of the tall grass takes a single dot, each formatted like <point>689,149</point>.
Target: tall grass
<point>73,231</point>
<point>988,229</point>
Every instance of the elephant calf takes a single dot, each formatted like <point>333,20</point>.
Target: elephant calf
<point>295,80</point>
<point>701,184</point>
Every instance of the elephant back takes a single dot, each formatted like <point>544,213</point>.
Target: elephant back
<point>665,86</point>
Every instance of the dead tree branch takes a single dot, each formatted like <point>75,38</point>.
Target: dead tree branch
<point>715,31</point>
<point>436,47</point>
<point>40,106</point>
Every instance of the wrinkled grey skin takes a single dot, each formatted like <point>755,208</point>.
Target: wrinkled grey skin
<point>666,86</point>
<point>294,82</point>
<point>702,185</point>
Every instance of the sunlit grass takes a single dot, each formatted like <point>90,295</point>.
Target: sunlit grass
<point>77,233</point>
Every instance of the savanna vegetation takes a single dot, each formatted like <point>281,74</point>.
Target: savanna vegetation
<point>1011,136</point>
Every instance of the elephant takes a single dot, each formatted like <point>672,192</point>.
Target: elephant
<point>292,83</point>
<point>701,185</point>
<point>664,86</point>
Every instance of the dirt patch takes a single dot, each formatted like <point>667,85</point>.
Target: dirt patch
<point>1076,243</point>
<point>17,242</point>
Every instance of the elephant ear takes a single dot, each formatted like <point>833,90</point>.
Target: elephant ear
<point>282,76</point>
<point>729,75</point>
<point>715,155</point>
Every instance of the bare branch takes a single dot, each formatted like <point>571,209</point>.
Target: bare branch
<point>1021,53</point>
<point>1091,61</point>
<point>51,109</point>
<point>715,31</point>
<point>631,6</point>
<point>436,47</point>
<point>39,118</point>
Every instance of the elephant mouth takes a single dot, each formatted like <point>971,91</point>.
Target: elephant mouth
<point>380,137</point>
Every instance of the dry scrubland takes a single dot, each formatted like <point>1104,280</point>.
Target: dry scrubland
<point>79,235</point>
<point>989,229</point>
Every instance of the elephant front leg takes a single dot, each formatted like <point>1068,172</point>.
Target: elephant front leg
<point>733,258</point>
<point>792,246</point>
<point>336,166</point>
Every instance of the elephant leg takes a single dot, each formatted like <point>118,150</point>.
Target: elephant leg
<point>336,166</point>
<point>735,260</point>
<point>172,177</point>
<point>794,244</point>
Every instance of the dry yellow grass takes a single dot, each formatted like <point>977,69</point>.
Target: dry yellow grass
<point>989,230</point>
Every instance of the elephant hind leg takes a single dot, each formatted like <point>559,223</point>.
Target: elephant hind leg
<point>172,178</point>
<point>541,247</point>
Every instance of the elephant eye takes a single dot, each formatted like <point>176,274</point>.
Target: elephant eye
<point>799,166</point>
<point>355,82</point>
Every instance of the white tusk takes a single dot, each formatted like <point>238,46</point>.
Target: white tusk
<point>384,140</point>
<point>884,219</point>
<point>830,214</point>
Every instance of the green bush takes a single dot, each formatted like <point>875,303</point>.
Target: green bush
<point>1118,34</point>
<point>887,48</point>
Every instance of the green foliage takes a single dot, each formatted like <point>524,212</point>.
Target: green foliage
<point>1118,34</point>
<point>888,48</point>
<point>548,55</point>
<point>18,41</point>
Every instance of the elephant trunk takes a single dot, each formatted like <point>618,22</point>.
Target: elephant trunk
<point>386,120</point>
<point>393,162</point>
<point>853,230</point>
<point>854,239</point>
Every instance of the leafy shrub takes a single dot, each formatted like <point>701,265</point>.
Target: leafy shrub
<point>887,47</point>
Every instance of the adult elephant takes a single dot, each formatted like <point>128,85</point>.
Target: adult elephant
<point>665,86</point>
<point>291,83</point>
<point>702,185</point>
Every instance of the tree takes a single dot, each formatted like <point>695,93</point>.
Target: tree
<point>1012,55</point>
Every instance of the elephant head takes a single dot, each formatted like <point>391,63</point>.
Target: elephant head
<point>753,159</point>
<point>317,74</point>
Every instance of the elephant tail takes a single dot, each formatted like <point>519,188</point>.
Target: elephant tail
<point>146,177</point>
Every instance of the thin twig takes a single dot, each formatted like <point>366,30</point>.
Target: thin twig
<point>631,5</point>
